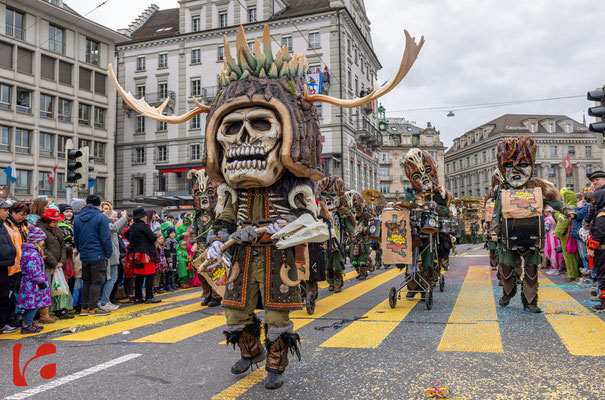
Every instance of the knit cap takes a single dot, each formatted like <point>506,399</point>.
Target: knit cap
<point>35,235</point>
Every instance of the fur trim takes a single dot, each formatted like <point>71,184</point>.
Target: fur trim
<point>222,191</point>
<point>274,333</point>
<point>291,339</point>
<point>307,197</point>
<point>549,191</point>
<point>234,333</point>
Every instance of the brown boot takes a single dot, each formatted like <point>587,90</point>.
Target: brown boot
<point>45,317</point>
<point>330,279</point>
<point>277,358</point>
<point>250,346</point>
<point>337,281</point>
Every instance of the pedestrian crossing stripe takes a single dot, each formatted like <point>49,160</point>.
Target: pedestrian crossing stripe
<point>241,386</point>
<point>473,324</point>
<point>185,331</point>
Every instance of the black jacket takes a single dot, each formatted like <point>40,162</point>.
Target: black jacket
<point>142,239</point>
<point>7,248</point>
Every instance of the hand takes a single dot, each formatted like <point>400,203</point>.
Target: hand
<point>59,265</point>
<point>214,250</point>
<point>494,237</point>
<point>274,227</point>
<point>186,234</point>
<point>124,214</point>
<point>572,215</point>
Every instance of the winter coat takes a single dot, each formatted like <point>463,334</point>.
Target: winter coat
<point>91,235</point>
<point>170,252</point>
<point>18,234</point>
<point>142,239</point>
<point>576,224</point>
<point>183,259</point>
<point>115,229</point>
<point>8,252</point>
<point>54,245</point>
<point>32,268</point>
<point>182,228</point>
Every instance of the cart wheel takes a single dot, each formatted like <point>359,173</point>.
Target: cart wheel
<point>429,299</point>
<point>310,303</point>
<point>372,267</point>
<point>441,283</point>
<point>393,297</point>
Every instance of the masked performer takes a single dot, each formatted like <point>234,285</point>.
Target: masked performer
<point>263,147</point>
<point>421,170</point>
<point>356,223</point>
<point>331,191</point>
<point>519,203</point>
<point>204,199</point>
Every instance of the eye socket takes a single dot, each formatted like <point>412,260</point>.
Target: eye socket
<point>508,165</point>
<point>199,193</point>
<point>233,128</point>
<point>429,169</point>
<point>210,191</point>
<point>416,176</point>
<point>524,165</point>
<point>333,194</point>
<point>260,124</point>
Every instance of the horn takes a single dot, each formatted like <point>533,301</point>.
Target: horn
<point>234,273</point>
<point>143,108</point>
<point>409,57</point>
<point>283,274</point>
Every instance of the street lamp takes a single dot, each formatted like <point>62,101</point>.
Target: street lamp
<point>451,114</point>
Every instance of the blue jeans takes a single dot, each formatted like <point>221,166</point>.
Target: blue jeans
<point>28,318</point>
<point>108,286</point>
<point>582,252</point>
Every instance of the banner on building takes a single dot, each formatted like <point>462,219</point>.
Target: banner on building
<point>315,82</point>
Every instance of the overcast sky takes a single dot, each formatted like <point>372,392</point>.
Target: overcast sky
<point>476,51</point>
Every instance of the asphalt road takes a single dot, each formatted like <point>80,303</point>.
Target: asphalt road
<point>354,346</point>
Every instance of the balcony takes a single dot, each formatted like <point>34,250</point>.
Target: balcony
<point>386,162</point>
<point>209,93</point>
<point>368,132</point>
<point>156,99</point>
<point>386,179</point>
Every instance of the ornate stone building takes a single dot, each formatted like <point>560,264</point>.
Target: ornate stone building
<point>399,136</point>
<point>470,161</point>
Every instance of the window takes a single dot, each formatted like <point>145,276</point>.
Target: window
<point>252,15</point>
<point>195,122</point>
<point>99,152</point>
<point>349,79</point>
<point>484,157</point>
<point>141,63</point>
<point>25,61</point>
<point>553,151</point>
<point>22,140</point>
<point>85,77</point>
<point>222,18</point>
<point>100,117</point>
<point>84,143</point>
<point>356,55</point>
<point>140,91</point>
<point>64,109</point>
<point>251,46</point>
<point>357,85</point>
<point>195,24</point>
<point>92,51</point>
<point>44,188</point>
<point>47,67</point>
<point>61,141</point>
<point>314,69</point>
<point>314,40</point>
<point>196,88</point>
<point>571,150</point>
<point>139,186</point>
<point>99,186</point>
<point>56,39</point>
<point>196,152</point>
<point>61,190</point>
<point>552,172</point>
<point>5,96</point>
<point>196,56</point>
<point>588,150</point>
<point>140,124</point>
<point>22,184</point>
<point>385,188</point>
<point>162,154</point>
<point>163,60</point>
<point>65,73</point>
<point>493,154</point>
<point>5,138</point>
<point>163,90</point>
<point>139,155</point>
<point>46,106</point>
<point>220,53</point>
<point>287,41</point>
<point>15,24</point>
<point>476,158</point>
<point>6,55</point>
<point>384,172</point>
<point>162,126</point>
<point>84,114</point>
<point>100,82</point>
<point>588,170</point>
<point>24,98</point>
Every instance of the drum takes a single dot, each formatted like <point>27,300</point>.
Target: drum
<point>430,223</point>
<point>374,229</point>
<point>446,225</point>
<point>416,218</point>
<point>523,233</point>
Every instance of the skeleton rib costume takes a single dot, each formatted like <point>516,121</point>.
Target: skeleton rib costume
<point>263,148</point>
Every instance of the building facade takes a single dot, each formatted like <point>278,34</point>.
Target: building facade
<point>400,135</point>
<point>54,87</point>
<point>177,54</point>
<point>469,163</point>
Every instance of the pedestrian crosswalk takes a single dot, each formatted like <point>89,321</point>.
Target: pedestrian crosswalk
<point>471,325</point>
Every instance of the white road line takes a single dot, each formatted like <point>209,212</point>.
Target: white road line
<point>72,377</point>
<point>476,255</point>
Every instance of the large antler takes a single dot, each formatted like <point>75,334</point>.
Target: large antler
<point>409,57</point>
<point>141,106</point>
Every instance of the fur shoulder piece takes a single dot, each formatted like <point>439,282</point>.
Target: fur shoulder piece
<point>305,194</point>
<point>445,194</point>
<point>223,190</point>
<point>549,191</point>
<point>324,212</point>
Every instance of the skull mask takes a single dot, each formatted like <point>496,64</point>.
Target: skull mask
<point>516,160</point>
<point>421,170</point>
<point>331,191</point>
<point>250,139</point>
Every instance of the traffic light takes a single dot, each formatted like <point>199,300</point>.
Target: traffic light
<point>598,95</point>
<point>73,166</point>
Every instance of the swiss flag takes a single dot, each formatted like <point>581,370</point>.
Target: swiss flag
<point>567,165</point>
<point>51,175</point>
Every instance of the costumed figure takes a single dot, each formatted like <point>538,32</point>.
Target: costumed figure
<point>376,246</point>
<point>263,148</point>
<point>204,199</point>
<point>518,222</point>
<point>317,263</point>
<point>421,170</point>
<point>595,224</point>
<point>356,222</point>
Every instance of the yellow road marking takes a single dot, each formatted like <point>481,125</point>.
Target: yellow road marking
<point>368,334</point>
<point>346,277</point>
<point>115,316</point>
<point>129,324</point>
<point>583,333</point>
<point>241,386</point>
<point>473,324</point>
<point>462,255</point>
<point>185,331</point>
